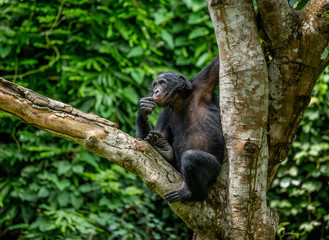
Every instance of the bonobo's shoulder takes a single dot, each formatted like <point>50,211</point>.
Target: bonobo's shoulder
<point>215,59</point>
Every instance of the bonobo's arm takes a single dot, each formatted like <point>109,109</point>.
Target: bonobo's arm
<point>156,138</point>
<point>207,78</point>
<point>145,108</point>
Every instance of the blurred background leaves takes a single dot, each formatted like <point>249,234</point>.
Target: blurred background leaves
<point>100,56</point>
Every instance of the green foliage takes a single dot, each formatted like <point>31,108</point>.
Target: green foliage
<point>99,56</point>
<point>301,189</point>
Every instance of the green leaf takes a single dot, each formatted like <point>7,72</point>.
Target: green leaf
<point>45,225</point>
<point>325,53</point>
<point>181,41</point>
<point>131,190</point>
<point>61,185</point>
<point>197,17</point>
<point>138,75</point>
<point>122,28</point>
<point>89,158</point>
<point>104,202</point>
<point>285,182</point>
<point>63,167</point>
<point>5,50</point>
<point>168,38</point>
<point>131,94</point>
<point>76,201</point>
<point>182,61</point>
<point>195,5</point>
<point>136,52</point>
<point>29,195</point>
<point>85,188</point>
<point>63,199</point>
<point>43,192</point>
<point>4,191</point>
<point>78,169</point>
<point>162,15</point>
<point>198,32</point>
<point>312,186</point>
<point>293,171</point>
<point>203,58</point>
<point>19,226</point>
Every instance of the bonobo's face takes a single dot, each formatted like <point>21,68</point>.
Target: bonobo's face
<point>167,87</point>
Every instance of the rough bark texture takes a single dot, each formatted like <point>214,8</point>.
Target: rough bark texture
<point>261,106</point>
<point>297,40</point>
<point>244,110</point>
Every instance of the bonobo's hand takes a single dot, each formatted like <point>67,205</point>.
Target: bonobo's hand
<point>159,143</point>
<point>146,106</point>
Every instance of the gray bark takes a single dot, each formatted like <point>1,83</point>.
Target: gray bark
<point>244,110</point>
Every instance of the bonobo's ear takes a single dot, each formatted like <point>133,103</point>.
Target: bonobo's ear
<point>184,83</point>
<point>181,82</point>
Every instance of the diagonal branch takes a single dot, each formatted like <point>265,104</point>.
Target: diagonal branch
<point>102,137</point>
<point>96,134</point>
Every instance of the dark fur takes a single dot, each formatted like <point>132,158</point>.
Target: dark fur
<point>188,133</point>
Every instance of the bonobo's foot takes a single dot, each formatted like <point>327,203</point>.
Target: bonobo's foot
<point>155,138</point>
<point>182,194</point>
<point>160,143</point>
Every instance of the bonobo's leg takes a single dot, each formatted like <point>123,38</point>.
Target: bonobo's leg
<point>199,169</point>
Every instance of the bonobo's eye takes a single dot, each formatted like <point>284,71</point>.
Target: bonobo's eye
<point>154,84</point>
<point>162,82</point>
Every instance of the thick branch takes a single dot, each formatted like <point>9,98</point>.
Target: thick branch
<point>102,137</point>
<point>95,133</point>
<point>314,12</point>
<point>293,71</point>
<point>278,19</point>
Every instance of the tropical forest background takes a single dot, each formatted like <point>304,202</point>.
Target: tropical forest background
<point>100,56</point>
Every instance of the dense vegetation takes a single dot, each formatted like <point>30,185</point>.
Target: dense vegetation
<point>100,56</point>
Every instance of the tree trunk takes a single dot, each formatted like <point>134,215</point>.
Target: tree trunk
<point>244,110</point>
<point>261,107</point>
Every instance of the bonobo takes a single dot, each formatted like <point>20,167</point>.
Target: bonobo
<point>188,133</point>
